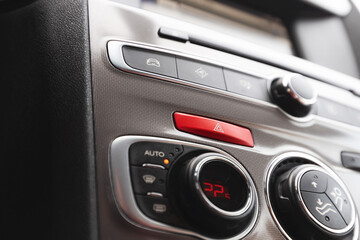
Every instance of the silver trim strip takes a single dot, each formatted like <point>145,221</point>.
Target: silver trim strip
<point>155,194</point>
<point>270,169</point>
<point>150,165</point>
<point>123,193</point>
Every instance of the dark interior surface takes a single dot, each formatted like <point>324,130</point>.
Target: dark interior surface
<point>301,20</point>
<point>48,169</point>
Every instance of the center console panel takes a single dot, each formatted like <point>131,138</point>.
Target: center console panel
<point>166,113</point>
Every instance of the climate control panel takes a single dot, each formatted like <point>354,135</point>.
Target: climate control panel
<point>308,200</point>
<point>202,191</point>
<point>182,187</point>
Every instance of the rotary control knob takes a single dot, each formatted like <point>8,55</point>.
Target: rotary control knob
<point>294,94</point>
<point>320,202</point>
<point>217,194</point>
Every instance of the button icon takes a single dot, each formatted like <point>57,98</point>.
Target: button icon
<point>245,84</point>
<point>218,128</point>
<point>152,153</point>
<point>339,201</point>
<point>313,181</point>
<point>201,72</point>
<point>153,62</point>
<point>332,109</point>
<point>159,208</point>
<point>325,209</point>
<point>149,179</point>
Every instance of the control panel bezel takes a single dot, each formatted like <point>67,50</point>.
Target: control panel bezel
<point>123,191</point>
<point>318,164</point>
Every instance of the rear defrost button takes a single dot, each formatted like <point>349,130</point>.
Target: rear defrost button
<point>147,180</point>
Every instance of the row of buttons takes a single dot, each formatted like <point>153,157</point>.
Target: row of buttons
<point>149,168</point>
<point>196,72</point>
<point>325,199</point>
<point>214,76</point>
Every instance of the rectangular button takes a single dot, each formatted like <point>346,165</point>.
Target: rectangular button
<point>173,34</point>
<point>246,85</point>
<point>158,209</point>
<point>351,160</point>
<point>161,154</point>
<point>201,73</point>
<point>214,129</point>
<point>150,61</point>
<point>146,180</point>
<point>336,111</point>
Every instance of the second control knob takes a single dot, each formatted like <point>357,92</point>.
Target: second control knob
<point>321,204</point>
<point>294,94</point>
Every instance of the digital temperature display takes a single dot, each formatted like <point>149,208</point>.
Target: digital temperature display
<point>223,185</point>
<point>216,190</point>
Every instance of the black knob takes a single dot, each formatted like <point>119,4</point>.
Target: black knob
<point>217,194</point>
<point>315,202</point>
<point>294,94</point>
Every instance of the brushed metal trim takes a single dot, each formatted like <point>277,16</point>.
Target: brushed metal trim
<point>123,193</point>
<point>150,165</point>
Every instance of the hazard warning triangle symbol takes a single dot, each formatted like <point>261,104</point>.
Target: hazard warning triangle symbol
<point>218,128</point>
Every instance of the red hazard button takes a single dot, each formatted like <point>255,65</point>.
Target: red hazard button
<point>214,129</point>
